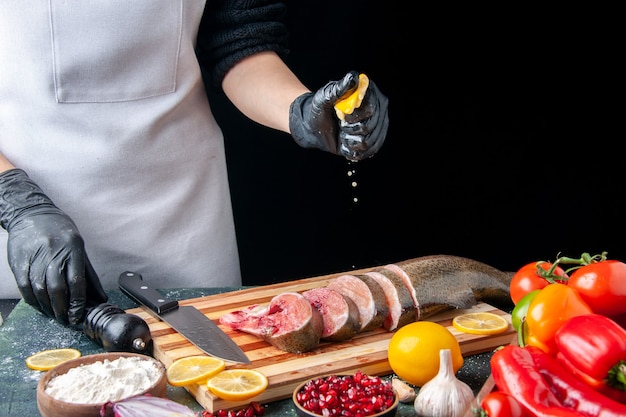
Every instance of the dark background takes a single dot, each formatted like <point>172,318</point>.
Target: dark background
<point>503,145</point>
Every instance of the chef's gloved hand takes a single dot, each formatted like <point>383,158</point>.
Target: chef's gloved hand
<point>46,252</point>
<point>313,121</point>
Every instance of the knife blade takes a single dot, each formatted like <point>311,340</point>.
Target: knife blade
<point>186,320</point>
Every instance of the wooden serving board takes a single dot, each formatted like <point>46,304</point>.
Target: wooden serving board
<point>366,352</point>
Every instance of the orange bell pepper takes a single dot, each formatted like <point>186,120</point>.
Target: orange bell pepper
<point>553,306</point>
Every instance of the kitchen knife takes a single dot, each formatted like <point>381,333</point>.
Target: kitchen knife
<point>186,320</point>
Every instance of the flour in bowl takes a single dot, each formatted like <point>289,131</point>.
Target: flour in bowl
<point>102,381</point>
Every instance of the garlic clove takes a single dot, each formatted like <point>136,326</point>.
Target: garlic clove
<point>405,393</point>
<point>444,395</point>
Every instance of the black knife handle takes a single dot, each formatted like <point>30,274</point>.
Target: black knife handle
<point>133,285</point>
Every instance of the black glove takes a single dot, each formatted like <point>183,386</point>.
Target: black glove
<point>46,252</point>
<point>313,121</point>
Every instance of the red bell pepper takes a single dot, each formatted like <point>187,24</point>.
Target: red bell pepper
<point>593,347</point>
<point>571,392</point>
<point>514,372</point>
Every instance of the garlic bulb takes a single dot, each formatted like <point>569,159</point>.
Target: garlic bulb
<point>444,395</point>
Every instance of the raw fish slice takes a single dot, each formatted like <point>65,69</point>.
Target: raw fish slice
<point>395,269</point>
<point>288,322</point>
<point>368,297</point>
<point>401,308</point>
<point>339,313</point>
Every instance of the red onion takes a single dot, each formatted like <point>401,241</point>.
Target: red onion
<point>147,406</point>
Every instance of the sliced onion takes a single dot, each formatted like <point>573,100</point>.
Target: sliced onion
<point>147,406</point>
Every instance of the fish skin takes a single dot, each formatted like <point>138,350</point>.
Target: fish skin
<point>444,282</point>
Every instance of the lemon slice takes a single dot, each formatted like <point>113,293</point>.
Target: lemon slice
<point>193,370</point>
<point>480,323</point>
<point>237,384</point>
<point>48,359</point>
<point>353,101</point>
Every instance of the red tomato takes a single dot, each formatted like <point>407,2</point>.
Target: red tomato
<point>534,276</point>
<point>501,404</point>
<point>603,286</point>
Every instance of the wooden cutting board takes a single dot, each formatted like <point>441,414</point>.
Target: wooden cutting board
<point>366,352</point>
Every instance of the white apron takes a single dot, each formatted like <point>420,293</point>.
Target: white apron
<point>103,105</point>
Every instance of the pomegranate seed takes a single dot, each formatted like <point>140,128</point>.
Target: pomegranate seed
<point>259,410</point>
<point>358,395</point>
<point>312,405</point>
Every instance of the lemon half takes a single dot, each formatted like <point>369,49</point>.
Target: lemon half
<point>353,101</point>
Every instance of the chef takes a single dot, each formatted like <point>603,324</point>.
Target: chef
<point>110,157</point>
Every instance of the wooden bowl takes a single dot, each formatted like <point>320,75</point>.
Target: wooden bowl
<point>303,412</point>
<point>50,406</point>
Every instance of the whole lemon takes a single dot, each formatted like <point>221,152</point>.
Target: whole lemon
<point>413,351</point>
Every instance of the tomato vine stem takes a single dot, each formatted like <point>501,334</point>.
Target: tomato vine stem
<point>585,259</point>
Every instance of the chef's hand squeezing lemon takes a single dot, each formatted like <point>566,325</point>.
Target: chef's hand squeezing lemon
<point>354,100</point>
<point>357,130</point>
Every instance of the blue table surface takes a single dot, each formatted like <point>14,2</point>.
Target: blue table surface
<point>25,331</point>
